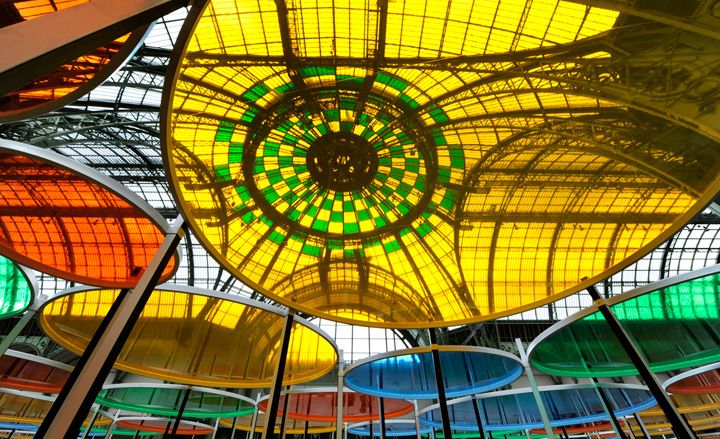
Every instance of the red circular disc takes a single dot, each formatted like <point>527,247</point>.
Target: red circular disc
<point>25,374</point>
<point>700,384</point>
<point>322,406</point>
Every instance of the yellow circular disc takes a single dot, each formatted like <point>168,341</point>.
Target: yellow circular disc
<point>198,337</point>
<point>32,408</point>
<point>418,164</point>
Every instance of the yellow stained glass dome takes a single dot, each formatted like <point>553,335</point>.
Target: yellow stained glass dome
<point>418,163</point>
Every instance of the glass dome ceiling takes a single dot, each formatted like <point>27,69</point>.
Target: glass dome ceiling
<point>405,170</point>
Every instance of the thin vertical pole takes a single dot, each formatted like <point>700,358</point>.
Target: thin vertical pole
<point>167,428</point>
<point>307,427</point>
<point>283,419</point>
<point>78,394</point>
<point>253,423</point>
<point>679,426</point>
<point>178,399</point>
<point>274,402</point>
<point>478,419</point>
<point>217,425</point>
<point>234,427</point>
<point>183,404</point>
<point>418,434</point>
<point>641,424</point>
<point>91,423</point>
<point>108,434</point>
<point>16,330</point>
<point>607,406</point>
<point>534,387</point>
<point>383,432</point>
<point>630,430</point>
<point>442,399</point>
<point>340,397</point>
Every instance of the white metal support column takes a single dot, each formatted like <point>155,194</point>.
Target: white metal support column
<point>534,387</point>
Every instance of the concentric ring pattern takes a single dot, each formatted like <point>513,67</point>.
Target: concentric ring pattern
<point>388,164</point>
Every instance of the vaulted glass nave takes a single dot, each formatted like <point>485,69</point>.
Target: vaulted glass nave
<point>349,218</point>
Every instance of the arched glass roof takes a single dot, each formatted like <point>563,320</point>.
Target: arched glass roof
<point>115,129</point>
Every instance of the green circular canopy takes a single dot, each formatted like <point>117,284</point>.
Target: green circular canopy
<point>17,291</point>
<point>674,322</point>
<point>409,164</point>
<point>165,400</point>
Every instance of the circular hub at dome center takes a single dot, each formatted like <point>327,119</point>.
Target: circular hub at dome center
<point>342,162</point>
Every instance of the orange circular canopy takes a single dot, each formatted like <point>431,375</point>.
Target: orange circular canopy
<point>322,406</point>
<point>63,218</point>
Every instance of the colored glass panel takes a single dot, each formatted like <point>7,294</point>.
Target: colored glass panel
<point>185,428</point>
<point>193,336</point>
<point>659,425</point>
<point>702,411</point>
<point>702,383</point>
<point>166,402</point>
<point>565,406</point>
<point>28,410</point>
<point>35,375</point>
<point>292,426</point>
<point>322,406</point>
<point>62,218</point>
<point>693,406</point>
<point>393,428</point>
<point>102,432</point>
<point>412,375</point>
<point>507,434</point>
<point>592,427</point>
<point>397,181</point>
<point>69,81</point>
<point>675,327</point>
<point>16,293</point>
